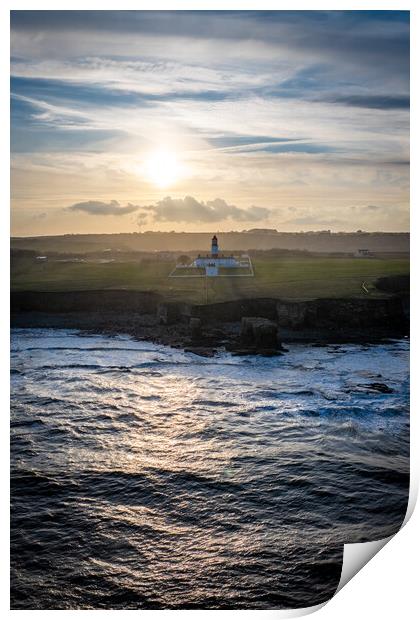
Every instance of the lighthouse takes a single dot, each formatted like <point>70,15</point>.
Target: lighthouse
<point>216,264</point>
<point>214,247</point>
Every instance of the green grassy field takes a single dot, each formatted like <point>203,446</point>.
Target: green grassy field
<point>287,278</point>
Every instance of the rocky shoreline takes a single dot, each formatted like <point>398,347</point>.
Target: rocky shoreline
<point>244,327</point>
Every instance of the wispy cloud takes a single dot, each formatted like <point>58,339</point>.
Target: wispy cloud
<point>376,102</point>
<point>96,207</point>
<point>189,209</point>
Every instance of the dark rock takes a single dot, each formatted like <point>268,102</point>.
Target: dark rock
<point>379,387</point>
<point>291,315</point>
<point>231,311</point>
<point>170,313</point>
<point>394,284</point>
<point>260,332</point>
<point>269,352</point>
<point>216,333</point>
<point>201,351</point>
<point>147,316</point>
<point>243,352</point>
<point>95,302</point>
<point>195,329</point>
<point>344,315</point>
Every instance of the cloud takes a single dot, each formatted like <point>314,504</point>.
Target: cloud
<point>229,140</point>
<point>370,209</point>
<point>96,207</point>
<point>189,209</point>
<point>312,106</point>
<point>375,102</point>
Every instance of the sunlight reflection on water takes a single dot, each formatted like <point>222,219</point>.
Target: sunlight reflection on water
<point>145,477</point>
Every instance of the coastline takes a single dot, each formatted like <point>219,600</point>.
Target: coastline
<point>204,329</point>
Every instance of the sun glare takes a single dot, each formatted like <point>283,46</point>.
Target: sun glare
<point>163,168</point>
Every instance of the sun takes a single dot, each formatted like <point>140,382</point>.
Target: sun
<point>163,168</point>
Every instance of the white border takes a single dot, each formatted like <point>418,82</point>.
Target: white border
<point>385,592</point>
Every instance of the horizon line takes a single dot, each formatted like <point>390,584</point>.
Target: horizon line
<point>230,232</point>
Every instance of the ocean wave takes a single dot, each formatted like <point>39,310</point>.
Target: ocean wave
<point>149,478</point>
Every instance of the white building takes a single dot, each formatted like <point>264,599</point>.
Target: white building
<point>363,253</point>
<point>213,261</point>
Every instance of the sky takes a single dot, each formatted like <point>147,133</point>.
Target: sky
<point>127,121</point>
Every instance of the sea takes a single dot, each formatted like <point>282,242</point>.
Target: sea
<point>144,477</point>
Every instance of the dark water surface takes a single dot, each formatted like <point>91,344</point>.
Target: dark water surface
<point>145,477</point>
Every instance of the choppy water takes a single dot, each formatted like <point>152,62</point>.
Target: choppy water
<point>145,477</point>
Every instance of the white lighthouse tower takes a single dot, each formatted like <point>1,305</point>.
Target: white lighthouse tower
<point>214,247</point>
<point>213,261</point>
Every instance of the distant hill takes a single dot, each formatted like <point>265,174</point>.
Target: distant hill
<point>263,239</point>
